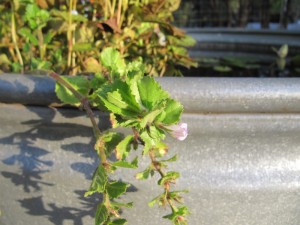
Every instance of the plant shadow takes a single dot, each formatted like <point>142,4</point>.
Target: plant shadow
<point>32,154</point>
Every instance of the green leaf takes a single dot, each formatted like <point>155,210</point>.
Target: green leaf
<point>35,16</point>
<point>79,83</point>
<point>157,200</point>
<point>149,118</point>
<point>181,211</point>
<point>97,81</point>
<point>111,140</point>
<point>17,67</point>
<point>4,59</point>
<point>124,147</point>
<point>31,12</point>
<point>48,37</point>
<point>113,61</point>
<point>144,174</point>
<point>151,93</point>
<point>151,137</point>
<point>172,159</point>
<point>116,188</point>
<point>117,121</point>
<point>125,164</point>
<point>187,41</point>
<point>118,222</point>
<point>37,63</point>
<point>99,181</point>
<point>26,33</point>
<point>81,47</point>
<point>171,113</point>
<point>120,205</point>
<point>161,149</point>
<point>169,177</point>
<point>118,99</point>
<point>101,215</point>
<point>135,69</point>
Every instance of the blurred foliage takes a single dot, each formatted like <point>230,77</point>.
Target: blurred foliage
<point>68,36</point>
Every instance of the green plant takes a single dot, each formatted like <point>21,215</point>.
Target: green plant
<point>281,53</point>
<point>136,102</point>
<point>68,36</point>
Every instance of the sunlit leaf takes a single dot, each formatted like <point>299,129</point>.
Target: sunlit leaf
<point>124,147</point>
<point>151,92</point>
<point>99,181</point>
<point>80,84</point>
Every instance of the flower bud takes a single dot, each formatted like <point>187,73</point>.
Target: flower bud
<point>178,131</point>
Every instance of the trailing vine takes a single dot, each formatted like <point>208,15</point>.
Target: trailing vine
<point>139,103</point>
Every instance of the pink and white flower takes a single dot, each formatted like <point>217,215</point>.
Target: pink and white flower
<point>178,131</point>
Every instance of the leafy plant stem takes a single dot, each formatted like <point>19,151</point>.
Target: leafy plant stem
<point>14,37</point>
<point>85,103</point>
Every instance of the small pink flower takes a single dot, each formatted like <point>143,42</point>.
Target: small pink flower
<point>179,131</point>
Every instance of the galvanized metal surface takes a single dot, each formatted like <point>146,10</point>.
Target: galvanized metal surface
<point>199,95</point>
<point>241,167</point>
<point>247,42</point>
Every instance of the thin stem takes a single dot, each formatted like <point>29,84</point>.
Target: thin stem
<point>84,101</point>
<point>119,13</point>
<point>41,43</point>
<point>162,174</point>
<point>14,37</point>
<point>112,9</point>
<point>70,37</point>
<point>125,7</point>
<point>156,164</point>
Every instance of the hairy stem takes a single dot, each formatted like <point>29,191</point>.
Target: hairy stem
<point>86,105</point>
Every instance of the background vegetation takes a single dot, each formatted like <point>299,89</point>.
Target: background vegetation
<point>68,36</point>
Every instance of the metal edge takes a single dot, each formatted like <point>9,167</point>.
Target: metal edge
<point>198,95</point>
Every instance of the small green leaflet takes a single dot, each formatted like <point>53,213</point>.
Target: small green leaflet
<point>48,37</point>
<point>157,200</point>
<point>135,69</point>
<point>123,148</point>
<point>36,16</point>
<point>99,181</point>
<point>80,84</point>
<point>181,211</point>
<point>116,188</point>
<point>125,164</point>
<point>144,174</point>
<point>111,139</point>
<point>120,205</point>
<point>173,159</point>
<point>26,33</point>
<point>101,215</point>
<point>170,176</point>
<point>117,120</point>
